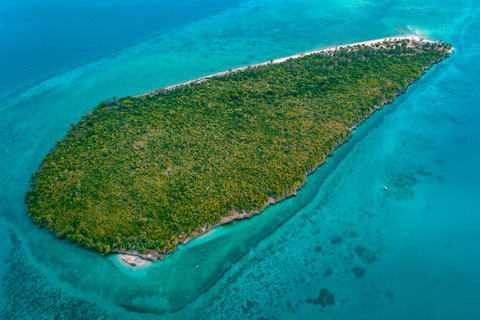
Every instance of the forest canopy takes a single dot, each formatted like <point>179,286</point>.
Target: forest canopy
<point>142,173</point>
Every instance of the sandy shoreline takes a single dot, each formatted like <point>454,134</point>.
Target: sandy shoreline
<point>245,215</point>
<point>280,60</point>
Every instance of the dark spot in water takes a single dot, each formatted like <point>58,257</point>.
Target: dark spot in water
<point>421,171</point>
<point>389,294</point>
<point>438,280</point>
<point>366,213</point>
<point>290,307</point>
<point>353,234</point>
<point>440,161</point>
<point>348,259</point>
<point>460,140</point>
<point>446,246</point>
<point>440,178</point>
<point>328,272</point>
<point>318,249</point>
<point>454,119</point>
<point>325,298</point>
<point>336,240</point>
<point>365,255</point>
<point>248,308</point>
<point>244,309</point>
<point>359,272</point>
<point>404,183</point>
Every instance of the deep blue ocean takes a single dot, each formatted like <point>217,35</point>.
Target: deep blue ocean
<point>409,252</point>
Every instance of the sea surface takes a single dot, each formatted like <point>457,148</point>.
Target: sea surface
<point>344,248</point>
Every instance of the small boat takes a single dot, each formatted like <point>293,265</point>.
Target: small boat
<point>385,187</point>
<point>197,266</point>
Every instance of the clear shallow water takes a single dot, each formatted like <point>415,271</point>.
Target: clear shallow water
<point>423,231</point>
<point>46,37</point>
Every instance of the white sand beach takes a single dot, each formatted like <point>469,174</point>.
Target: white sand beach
<point>280,60</point>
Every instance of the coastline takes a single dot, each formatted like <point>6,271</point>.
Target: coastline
<point>280,60</point>
<point>155,256</point>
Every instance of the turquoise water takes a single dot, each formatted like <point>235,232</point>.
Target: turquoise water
<point>409,252</point>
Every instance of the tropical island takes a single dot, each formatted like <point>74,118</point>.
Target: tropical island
<point>139,175</point>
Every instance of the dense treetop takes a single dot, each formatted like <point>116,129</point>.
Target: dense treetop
<point>138,172</point>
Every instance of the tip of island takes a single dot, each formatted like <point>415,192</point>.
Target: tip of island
<point>139,175</point>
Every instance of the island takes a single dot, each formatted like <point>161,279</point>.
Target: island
<point>139,175</point>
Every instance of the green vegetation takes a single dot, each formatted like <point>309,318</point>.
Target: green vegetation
<point>138,172</point>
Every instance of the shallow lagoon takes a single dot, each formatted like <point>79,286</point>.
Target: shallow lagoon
<point>411,251</point>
